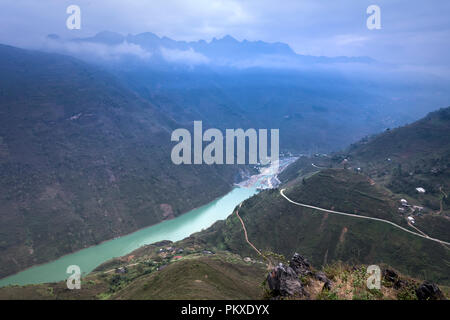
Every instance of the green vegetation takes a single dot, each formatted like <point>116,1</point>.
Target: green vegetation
<point>349,283</point>
<point>416,155</point>
<point>205,277</point>
<point>274,224</point>
<point>83,159</point>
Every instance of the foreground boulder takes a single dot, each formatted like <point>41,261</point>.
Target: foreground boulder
<point>429,291</point>
<point>328,285</point>
<point>283,281</point>
<point>393,277</point>
<point>300,265</point>
<point>390,275</point>
<point>286,281</point>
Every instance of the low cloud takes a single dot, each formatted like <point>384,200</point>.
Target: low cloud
<point>97,50</point>
<point>350,39</point>
<point>189,57</point>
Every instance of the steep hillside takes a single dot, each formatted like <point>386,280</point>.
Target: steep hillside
<point>276,225</point>
<point>417,155</point>
<point>427,138</point>
<point>82,160</point>
<point>402,160</point>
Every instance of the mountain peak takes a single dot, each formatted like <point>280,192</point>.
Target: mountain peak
<point>228,38</point>
<point>105,37</point>
<point>147,35</point>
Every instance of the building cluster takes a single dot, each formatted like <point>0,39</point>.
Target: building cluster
<point>170,250</point>
<point>411,210</point>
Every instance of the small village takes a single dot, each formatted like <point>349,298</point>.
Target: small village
<point>410,211</point>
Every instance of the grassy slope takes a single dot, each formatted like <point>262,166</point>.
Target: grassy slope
<point>419,155</point>
<point>402,159</point>
<point>201,278</point>
<point>276,225</point>
<point>350,283</point>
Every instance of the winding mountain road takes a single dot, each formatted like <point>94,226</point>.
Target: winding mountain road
<point>318,166</point>
<point>245,231</point>
<point>362,217</point>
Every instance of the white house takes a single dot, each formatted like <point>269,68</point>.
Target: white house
<point>420,190</point>
<point>404,202</point>
<point>411,219</point>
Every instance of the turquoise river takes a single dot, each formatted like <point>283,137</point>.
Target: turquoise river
<point>176,229</point>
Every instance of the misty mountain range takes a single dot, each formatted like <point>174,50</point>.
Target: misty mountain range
<point>226,51</point>
<point>228,83</point>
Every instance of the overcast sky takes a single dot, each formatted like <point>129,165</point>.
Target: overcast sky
<point>414,32</point>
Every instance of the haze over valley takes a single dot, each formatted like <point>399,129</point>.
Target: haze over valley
<point>362,176</point>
